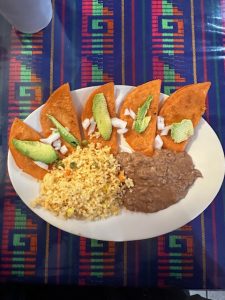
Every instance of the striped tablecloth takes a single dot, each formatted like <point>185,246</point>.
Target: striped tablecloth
<point>91,42</point>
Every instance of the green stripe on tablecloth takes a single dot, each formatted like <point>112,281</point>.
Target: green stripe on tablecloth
<point>20,222</point>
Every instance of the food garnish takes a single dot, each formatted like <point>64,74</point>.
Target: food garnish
<point>52,138</point>
<point>36,150</point>
<point>64,133</point>
<point>41,165</point>
<point>182,131</point>
<point>160,123</point>
<point>141,122</point>
<point>158,142</point>
<point>101,116</point>
<point>118,123</point>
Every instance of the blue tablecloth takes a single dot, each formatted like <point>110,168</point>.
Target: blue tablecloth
<point>91,42</point>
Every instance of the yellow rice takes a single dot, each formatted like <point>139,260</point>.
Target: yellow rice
<point>84,185</point>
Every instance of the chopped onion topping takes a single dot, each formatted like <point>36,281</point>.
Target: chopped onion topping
<point>125,149</point>
<point>122,130</point>
<point>63,149</point>
<point>41,165</point>
<point>132,114</point>
<point>92,120</point>
<point>92,128</point>
<point>158,142</point>
<point>86,123</point>
<point>160,123</point>
<point>53,129</point>
<point>126,112</point>
<point>49,140</point>
<point>118,123</point>
<point>165,130</point>
<point>57,144</point>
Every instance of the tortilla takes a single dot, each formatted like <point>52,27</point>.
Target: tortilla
<point>142,142</point>
<point>108,91</point>
<point>22,131</point>
<point>186,103</point>
<point>60,106</point>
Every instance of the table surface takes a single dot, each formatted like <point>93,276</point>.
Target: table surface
<point>91,42</point>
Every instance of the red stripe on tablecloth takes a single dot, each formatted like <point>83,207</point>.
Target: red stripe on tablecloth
<point>8,215</point>
<point>133,42</point>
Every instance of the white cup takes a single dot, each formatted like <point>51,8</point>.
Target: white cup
<point>28,16</point>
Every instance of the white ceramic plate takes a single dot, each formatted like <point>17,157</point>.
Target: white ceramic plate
<point>206,152</point>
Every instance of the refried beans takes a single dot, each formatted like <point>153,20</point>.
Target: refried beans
<point>159,181</point>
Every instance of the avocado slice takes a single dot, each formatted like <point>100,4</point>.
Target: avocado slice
<point>64,133</point>
<point>140,126</point>
<point>36,150</point>
<point>101,116</point>
<point>182,131</point>
<point>141,122</point>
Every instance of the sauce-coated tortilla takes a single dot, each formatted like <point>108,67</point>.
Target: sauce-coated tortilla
<point>22,131</point>
<point>186,103</point>
<point>142,142</point>
<point>108,91</point>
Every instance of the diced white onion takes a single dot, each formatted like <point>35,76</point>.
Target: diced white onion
<point>63,149</point>
<point>165,130</point>
<point>49,140</point>
<point>92,128</point>
<point>160,123</point>
<point>41,165</point>
<point>158,142</point>
<point>92,120</point>
<point>125,149</point>
<point>86,123</point>
<point>132,114</point>
<point>122,130</point>
<point>57,144</point>
<point>118,123</point>
<point>127,112</point>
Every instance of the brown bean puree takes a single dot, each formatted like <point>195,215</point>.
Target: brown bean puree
<point>159,181</point>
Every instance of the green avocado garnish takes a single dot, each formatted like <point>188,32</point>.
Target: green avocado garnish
<point>36,150</point>
<point>101,116</point>
<point>182,131</point>
<point>141,122</point>
<point>64,133</point>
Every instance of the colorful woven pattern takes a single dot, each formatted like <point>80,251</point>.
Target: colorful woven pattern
<point>91,42</point>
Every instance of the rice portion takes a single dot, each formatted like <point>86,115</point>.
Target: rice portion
<point>86,185</point>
